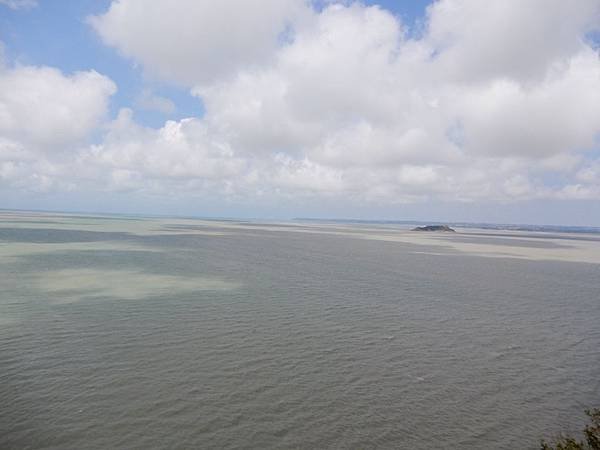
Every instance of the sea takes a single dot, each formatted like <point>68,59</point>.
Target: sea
<point>177,333</point>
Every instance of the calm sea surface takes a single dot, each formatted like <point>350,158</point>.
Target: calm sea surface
<point>162,333</point>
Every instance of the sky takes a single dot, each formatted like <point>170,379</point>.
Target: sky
<point>452,110</point>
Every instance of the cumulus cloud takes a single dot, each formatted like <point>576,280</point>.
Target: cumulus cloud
<point>41,107</point>
<point>189,41</point>
<point>184,149</point>
<point>558,114</point>
<point>476,41</point>
<point>43,115</point>
<point>488,103</point>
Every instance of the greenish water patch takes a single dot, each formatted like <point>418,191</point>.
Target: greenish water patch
<point>78,284</point>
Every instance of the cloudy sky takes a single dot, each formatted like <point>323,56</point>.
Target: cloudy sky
<point>459,110</point>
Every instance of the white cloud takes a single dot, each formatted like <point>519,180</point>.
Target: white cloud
<point>43,115</point>
<point>191,41</point>
<point>475,41</point>
<point>558,114</point>
<point>181,151</point>
<point>490,102</point>
<point>44,109</point>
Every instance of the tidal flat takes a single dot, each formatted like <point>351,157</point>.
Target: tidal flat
<point>133,332</point>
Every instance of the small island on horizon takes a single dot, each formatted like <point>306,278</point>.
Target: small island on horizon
<point>444,228</point>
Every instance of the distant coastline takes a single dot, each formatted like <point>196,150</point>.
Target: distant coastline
<point>407,223</point>
<point>484,226</point>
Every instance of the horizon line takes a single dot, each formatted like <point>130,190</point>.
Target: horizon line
<point>458,223</point>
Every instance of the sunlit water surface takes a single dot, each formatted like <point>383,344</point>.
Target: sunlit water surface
<point>158,333</point>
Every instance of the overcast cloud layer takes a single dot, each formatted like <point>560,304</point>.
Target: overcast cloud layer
<point>495,101</point>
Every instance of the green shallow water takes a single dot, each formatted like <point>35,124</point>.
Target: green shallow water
<point>193,334</point>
